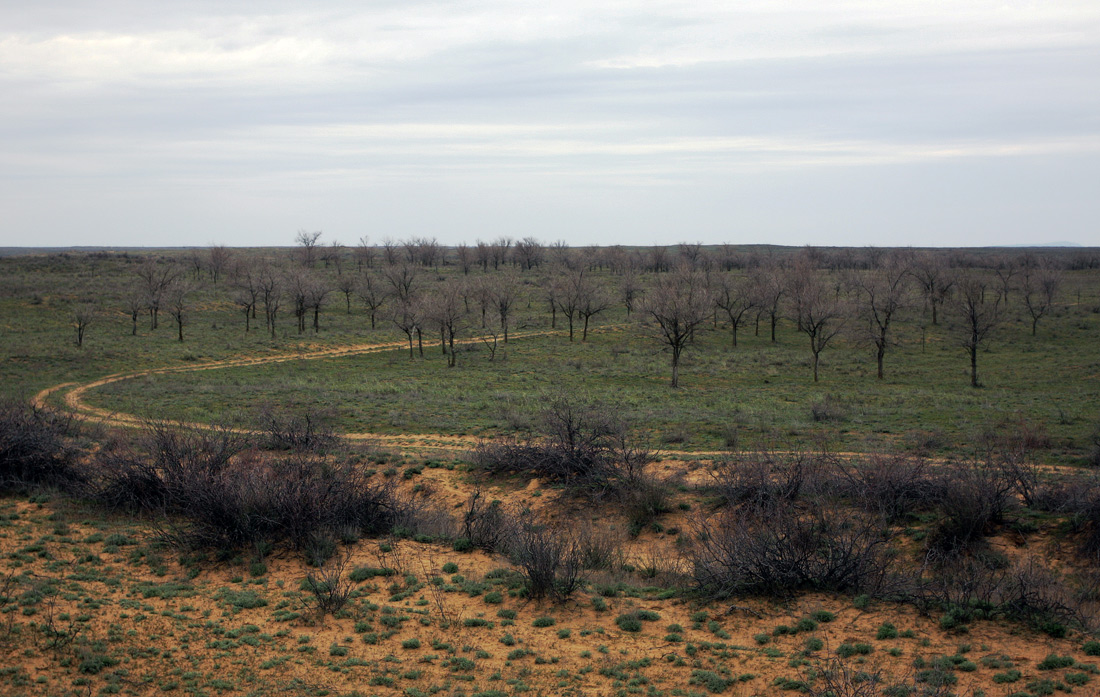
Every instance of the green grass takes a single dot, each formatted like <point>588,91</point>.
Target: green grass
<point>757,394</point>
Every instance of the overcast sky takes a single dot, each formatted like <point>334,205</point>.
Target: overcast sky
<point>953,122</point>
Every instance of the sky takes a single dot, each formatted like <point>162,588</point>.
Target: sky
<point>239,122</point>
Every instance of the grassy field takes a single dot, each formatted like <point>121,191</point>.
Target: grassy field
<point>157,561</point>
<point>759,394</point>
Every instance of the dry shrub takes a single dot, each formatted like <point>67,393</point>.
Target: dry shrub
<point>304,432</point>
<point>551,558</point>
<point>581,445</point>
<point>35,449</point>
<point>780,551</point>
<point>893,486</point>
<point>975,589</point>
<point>765,481</point>
<point>972,499</point>
<point>486,524</point>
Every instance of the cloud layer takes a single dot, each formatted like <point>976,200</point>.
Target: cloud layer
<point>825,123</point>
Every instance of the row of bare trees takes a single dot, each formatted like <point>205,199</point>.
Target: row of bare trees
<point>418,300</point>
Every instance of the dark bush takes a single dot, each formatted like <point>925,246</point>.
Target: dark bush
<point>551,559</point>
<point>893,487</point>
<point>972,500</point>
<point>781,551</point>
<point>299,500</point>
<point>35,449</point>
<point>580,444</point>
<point>305,432</point>
<point>764,481</point>
<point>485,524</point>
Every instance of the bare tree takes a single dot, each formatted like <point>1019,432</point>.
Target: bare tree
<point>405,317</point>
<point>630,290</point>
<point>465,258</point>
<point>372,294</point>
<point>136,303</point>
<point>882,292</point>
<point>307,246</point>
<point>334,254</point>
<point>592,299</point>
<point>246,291</point>
<point>83,315</point>
<point>1040,288</point>
<point>155,279</point>
<point>934,279</point>
<point>364,254</point>
<point>817,311</point>
<point>177,302</point>
<point>505,290</point>
<point>528,252</point>
<point>768,288</point>
<point>678,304</point>
<point>389,251</point>
<point>733,297</point>
<point>978,310</point>
<point>449,312</point>
<point>271,287</point>
<point>347,285</point>
<point>219,260</point>
<point>1006,270</point>
<point>402,278</point>
<point>316,293</point>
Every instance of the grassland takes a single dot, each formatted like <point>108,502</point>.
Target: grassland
<point>982,580</point>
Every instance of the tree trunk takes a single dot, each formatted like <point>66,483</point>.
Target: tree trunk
<point>179,324</point>
<point>879,354</point>
<point>973,365</point>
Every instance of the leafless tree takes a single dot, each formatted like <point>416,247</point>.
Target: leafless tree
<point>978,310</point>
<point>448,311</point>
<point>83,315</point>
<point>528,252</point>
<point>678,304</point>
<point>373,295</point>
<point>136,303</point>
<point>334,254</point>
<point>1006,269</point>
<point>592,299</point>
<point>176,298</point>
<point>1040,288</point>
<point>406,318</point>
<point>658,259</point>
<point>816,309</point>
<point>505,290</point>
<point>768,288</point>
<point>483,252</point>
<point>364,254</point>
<point>301,287</point>
<point>307,246</point>
<point>935,280</point>
<point>734,298</point>
<point>155,279</point>
<point>882,293</point>
<point>500,249</point>
<point>389,251</point>
<point>465,258</point>
<point>403,279</point>
<point>562,254</point>
<point>271,287</point>
<point>219,260</point>
<point>246,290</point>
<point>317,291</point>
<point>347,285</point>
<point>691,253</point>
<point>630,290</point>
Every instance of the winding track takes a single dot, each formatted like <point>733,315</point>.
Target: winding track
<point>72,394</point>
